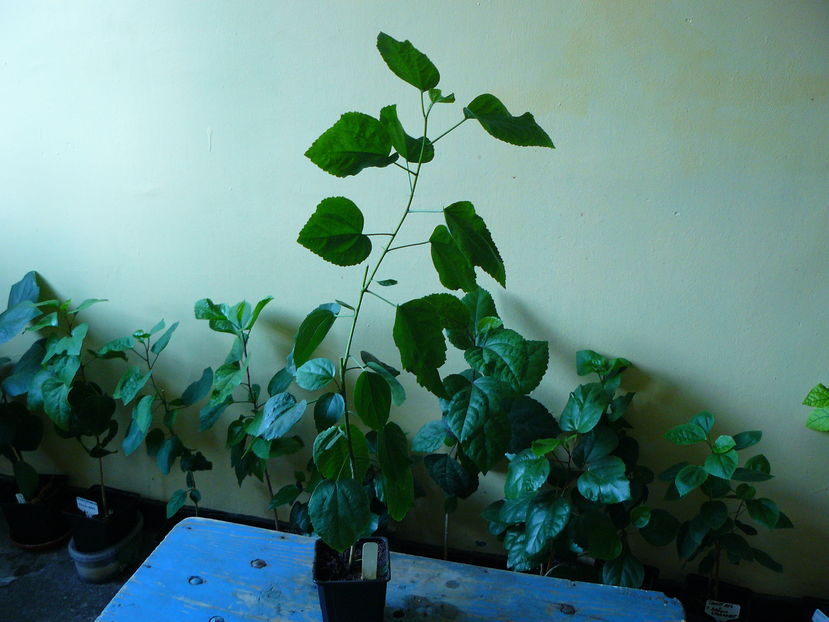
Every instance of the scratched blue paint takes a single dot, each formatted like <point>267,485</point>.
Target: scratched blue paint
<point>206,568</point>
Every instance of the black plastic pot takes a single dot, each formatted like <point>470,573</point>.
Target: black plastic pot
<point>695,598</point>
<point>350,598</point>
<point>40,524</point>
<point>96,533</point>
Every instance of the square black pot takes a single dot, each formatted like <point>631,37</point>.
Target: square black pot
<point>350,599</point>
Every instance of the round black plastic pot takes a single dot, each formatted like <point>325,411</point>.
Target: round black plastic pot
<point>350,599</point>
<point>96,533</point>
<point>39,524</point>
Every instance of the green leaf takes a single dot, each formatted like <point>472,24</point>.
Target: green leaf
<point>332,457</point>
<point>167,453</point>
<point>763,511</point>
<point>408,63</point>
<point>418,335</point>
<point>312,331</point>
<point>686,434</point>
<point>142,418</point>
<point>279,415</point>
<point>584,408</point>
<point>640,516</point>
<point>449,474</point>
<point>538,356</point>
<point>543,446</point>
<point>529,421</point>
<point>335,232</point>
<point>764,559</point>
<point>454,270</point>
<point>474,240</point>
<point>395,470</point>
<point>226,379</point>
<point>256,311</point>
<point>430,437</point>
<point>86,304</point>
<point>713,514</point>
<point>281,381</point>
<point>328,410</point>
<point>604,481</point>
<point>372,399</point>
<point>499,123</point>
<point>514,511</point>
<point>70,345</point>
<point>198,390</point>
<point>162,341</point>
<point>56,402</point>
<point>356,141</point>
<point>398,393</point>
<point>722,464</point>
<point>598,535</point>
<point>339,511</point>
<point>502,354</point>
<point>596,444</point>
<point>690,477</point>
<point>26,478</point>
<point>176,502</point>
<point>745,492</point>
<point>624,571</point>
<point>286,446</point>
<point>116,348</point>
<point>818,420</point>
<point>130,384</point>
<point>661,528</point>
<point>210,413</point>
<point>759,463</point>
<point>818,397</point>
<point>526,473</point>
<point>724,444</point>
<point>410,149</point>
<point>705,420</point>
<point>284,496</point>
<point>437,97</point>
<point>619,406</point>
<point>475,416</point>
<point>545,521</point>
<point>315,374</point>
<point>749,475</point>
<point>747,439</point>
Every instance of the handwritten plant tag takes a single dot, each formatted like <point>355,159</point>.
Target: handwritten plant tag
<point>88,507</point>
<point>20,498</point>
<point>722,612</point>
<point>370,553</point>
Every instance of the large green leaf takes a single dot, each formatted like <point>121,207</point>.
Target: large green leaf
<point>529,420</point>
<point>408,63</point>
<point>818,397</point>
<point>332,457</point>
<point>722,464</point>
<point>70,345</point>
<point>410,149</point>
<point>55,396</point>
<point>474,240</point>
<point>24,371</point>
<point>545,521</point>
<point>584,408</point>
<point>209,413</point>
<point>116,348</point>
<point>313,330</point>
<point>315,374</point>
<point>686,434</point>
<point>328,410</point>
<point>340,512</point>
<point>395,470</point>
<point>398,393</point>
<point>538,356</point>
<point>196,391</point>
<point>502,354</point>
<point>764,511</point>
<point>624,571</point>
<point>526,473</point>
<point>747,439</point>
<point>688,478</point>
<point>372,399</point>
<point>597,443</point>
<point>130,384</point>
<point>475,416</point>
<point>604,481</point>
<point>818,420</point>
<point>499,123</point>
<point>449,474</point>
<point>20,309</point>
<point>162,341</point>
<point>597,534</point>
<point>279,415</point>
<point>335,233</point>
<point>356,141</point>
<point>142,418</point>
<point>226,379</point>
<point>430,437</point>
<point>661,528</point>
<point>453,268</point>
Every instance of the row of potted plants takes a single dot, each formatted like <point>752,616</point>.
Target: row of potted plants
<point>575,492</point>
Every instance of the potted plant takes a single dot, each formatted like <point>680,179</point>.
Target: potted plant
<point>571,498</point>
<point>139,384</point>
<point>362,475</point>
<point>106,524</point>
<point>33,509</point>
<point>720,527</point>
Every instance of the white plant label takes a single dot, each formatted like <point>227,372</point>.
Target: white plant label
<point>370,553</point>
<point>722,612</point>
<point>89,508</point>
<point>20,498</point>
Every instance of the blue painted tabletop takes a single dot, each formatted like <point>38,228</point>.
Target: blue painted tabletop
<point>210,570</point>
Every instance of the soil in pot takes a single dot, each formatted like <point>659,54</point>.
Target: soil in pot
<point>95,533</point>
<point>40,523</point>
<point>344,595</point>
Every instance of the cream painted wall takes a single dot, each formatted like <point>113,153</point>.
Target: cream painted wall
<point>152,155</point>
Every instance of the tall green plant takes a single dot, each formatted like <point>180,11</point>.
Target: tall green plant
<point>719,528</point>
<point>139,384</point>
<point>349,461</point>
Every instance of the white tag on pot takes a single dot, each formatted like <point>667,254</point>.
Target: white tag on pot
<point>89,508</point>
<point>20,498</point>
<point>722,612</point>
<point>370,553</point>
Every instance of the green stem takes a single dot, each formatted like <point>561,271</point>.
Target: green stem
<point>458,124</point>
<point>270,492</point>
<point>386,300</point>
<point>397,248</point>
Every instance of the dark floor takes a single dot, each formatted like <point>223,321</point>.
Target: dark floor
<point>44,587</point>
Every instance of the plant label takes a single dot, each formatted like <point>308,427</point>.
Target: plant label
<point>370,552</point>
<point>20,498</point>
<point>89,508</point>
<point>722,611</point>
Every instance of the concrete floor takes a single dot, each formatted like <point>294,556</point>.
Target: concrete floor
<point>44,587</point>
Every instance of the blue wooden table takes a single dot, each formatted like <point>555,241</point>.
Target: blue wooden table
<point>212,571</point>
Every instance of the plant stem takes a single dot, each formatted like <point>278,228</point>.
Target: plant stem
<point>104,507</point>
<point>446,536</point>
<point>386,300</point>
<point>450,129</point>
<point>397,248</point>
<point>270,491</point>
